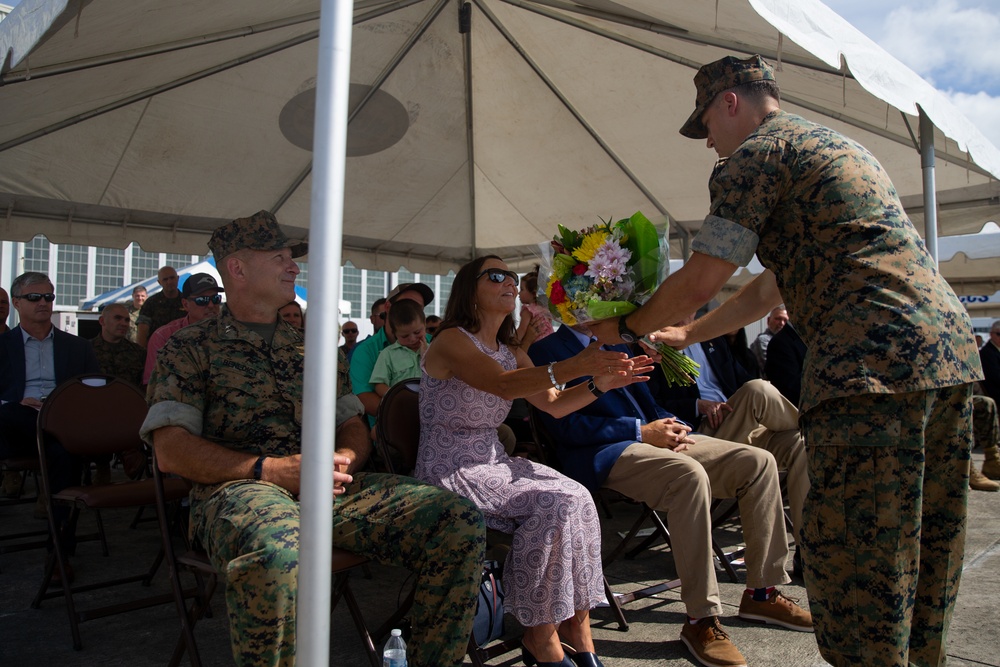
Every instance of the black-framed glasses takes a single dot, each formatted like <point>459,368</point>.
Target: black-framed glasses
<point>35,297</point>
<point>207,299</point>
<point>499,275</point>
<point>349,330</point>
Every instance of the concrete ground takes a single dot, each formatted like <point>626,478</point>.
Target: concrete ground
<point>41,637</point>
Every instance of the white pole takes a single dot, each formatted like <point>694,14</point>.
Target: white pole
<point>319,393</point>
<point>930,193</point>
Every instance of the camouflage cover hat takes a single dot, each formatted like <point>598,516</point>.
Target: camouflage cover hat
<point>258,232</point>
<point>716,77</point>
<point>421,288</point>
<point>199,282</point>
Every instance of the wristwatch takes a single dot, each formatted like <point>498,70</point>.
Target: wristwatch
<point>625,333</point>
<point>258,467</point>
<point>592,387</point>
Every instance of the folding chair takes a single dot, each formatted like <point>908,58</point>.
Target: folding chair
<point>196,562</point>
<point>78,415</point>
<point>397,438</point>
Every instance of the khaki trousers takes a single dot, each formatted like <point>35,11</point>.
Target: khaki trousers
<point>762,417</point>
<point>682,485</point>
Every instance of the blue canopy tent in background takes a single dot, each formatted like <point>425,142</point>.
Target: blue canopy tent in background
<point>152,287</point>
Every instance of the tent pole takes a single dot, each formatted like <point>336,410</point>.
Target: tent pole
<point>320,387</point>
<point>930,194</point>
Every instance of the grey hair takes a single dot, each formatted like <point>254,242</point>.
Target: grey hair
<point>25,279</point>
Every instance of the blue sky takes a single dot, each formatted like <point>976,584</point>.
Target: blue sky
<point>953,44</point>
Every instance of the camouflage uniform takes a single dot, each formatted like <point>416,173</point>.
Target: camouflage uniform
<point>159,310</point>
<point>124,359</point>
<point>885,394</point>
<point>223,382</point>
<point>986,426</point>
<point>133,325</point>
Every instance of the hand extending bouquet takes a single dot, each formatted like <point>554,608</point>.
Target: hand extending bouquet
<point>607,271</point>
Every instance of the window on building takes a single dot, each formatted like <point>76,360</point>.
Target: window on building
<point>71,275</point>
<point>179,261</point>
<point>302,280</point>
<point>350,290</point>
<point>144,264</point>
<point>375,289</point>
<point>109,273</point>
<point>36,255</point>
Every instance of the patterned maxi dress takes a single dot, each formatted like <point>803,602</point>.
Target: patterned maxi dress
<point>554,566</point>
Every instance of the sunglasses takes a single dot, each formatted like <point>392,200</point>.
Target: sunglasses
<point>205,300</point>
<point>499,275</point>
<point>35,297</point>
<point>349,330</point>
<point>381,316</point>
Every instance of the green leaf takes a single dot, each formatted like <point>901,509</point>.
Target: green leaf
<point>644,243</point>
<point>602,310</point>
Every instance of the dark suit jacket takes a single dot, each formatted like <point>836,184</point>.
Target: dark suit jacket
<point>73,356</point>
<point>682,401</point>
<point>990,356</point>
<point>590,440</point>
<point>786,356</point>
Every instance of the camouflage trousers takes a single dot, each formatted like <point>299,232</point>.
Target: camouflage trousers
<point>985,425</point>
<point>251,532</point>
<point>884,523</point>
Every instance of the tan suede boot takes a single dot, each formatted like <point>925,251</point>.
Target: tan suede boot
<point>991,466</point>
<point>980,482</point>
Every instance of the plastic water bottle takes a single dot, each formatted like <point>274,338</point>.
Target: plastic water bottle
<point>394,654</point>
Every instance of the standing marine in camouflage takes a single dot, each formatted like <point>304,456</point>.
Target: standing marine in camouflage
<point>986,434</point>
<point>226,412</point>
<point>886,388</point>
<point>163,307</point>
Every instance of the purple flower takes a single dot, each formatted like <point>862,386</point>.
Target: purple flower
<point>609,262</point>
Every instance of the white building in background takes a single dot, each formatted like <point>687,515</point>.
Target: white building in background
<point>4,10</point>
<point>80,273</point>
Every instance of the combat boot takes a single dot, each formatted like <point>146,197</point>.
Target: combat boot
<point>991,466</point>
<point>980,482</point>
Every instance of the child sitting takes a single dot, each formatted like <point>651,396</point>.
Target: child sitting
<point>401,360</point>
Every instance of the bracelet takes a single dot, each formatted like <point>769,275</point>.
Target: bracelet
<point>552,377</point>
<point>592,387</point>
<point>258,467</point>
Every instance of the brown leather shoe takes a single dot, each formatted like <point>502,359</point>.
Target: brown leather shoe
<point>710,645</point>
<point>776,610</point>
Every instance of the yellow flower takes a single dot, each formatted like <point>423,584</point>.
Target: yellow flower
<point>565,314</point>
<point>591,242</point>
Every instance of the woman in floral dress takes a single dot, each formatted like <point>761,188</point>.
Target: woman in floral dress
<point>471,373</point>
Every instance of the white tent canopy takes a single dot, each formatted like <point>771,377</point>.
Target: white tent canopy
<point>154,121</point>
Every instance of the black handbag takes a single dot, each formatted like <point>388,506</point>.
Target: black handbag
<point>488,624</point>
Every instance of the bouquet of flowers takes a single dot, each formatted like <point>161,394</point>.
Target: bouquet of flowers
<point>607,271</point>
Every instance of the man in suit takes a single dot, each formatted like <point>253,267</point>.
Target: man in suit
<point>624,441</point>
<point>724,402</point>
<point>35,358</point>
<point>786,357</point>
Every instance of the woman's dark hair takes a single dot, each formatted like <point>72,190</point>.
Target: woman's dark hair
<point>461,310</point>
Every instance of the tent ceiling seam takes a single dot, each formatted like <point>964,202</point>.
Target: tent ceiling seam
<point>158,49</point>
<point>152,92</point>
<point>662,29</point>
<point>121,156</point>
<point>372,89</point>
<point>574,111</point>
